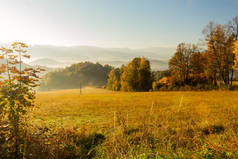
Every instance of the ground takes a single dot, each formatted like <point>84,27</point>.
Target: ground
<point>205,118</point>
<point>97,106</point>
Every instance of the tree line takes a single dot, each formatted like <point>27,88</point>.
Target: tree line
<point>215,64</point>
<point>209,65</point>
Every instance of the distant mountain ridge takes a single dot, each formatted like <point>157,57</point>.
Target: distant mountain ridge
<point>57,56</point>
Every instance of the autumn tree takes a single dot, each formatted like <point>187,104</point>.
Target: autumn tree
<point>17,95</point>
<point>219,40</point>
<point>145,75</point>
<point>112,82</point>
<point>234,28</point>
<point>123,76</point>
<point>132,78</point>
<point>198,63</point>
<point>136,75</point>
<point>180,63</point>
<point>210,71</point>
<point>235,51</point>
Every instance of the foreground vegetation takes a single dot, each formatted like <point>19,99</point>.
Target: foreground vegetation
<point>104,124</point>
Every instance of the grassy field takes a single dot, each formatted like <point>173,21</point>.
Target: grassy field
<point>182,124</point>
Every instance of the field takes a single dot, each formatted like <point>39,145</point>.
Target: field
<point>147,125</point>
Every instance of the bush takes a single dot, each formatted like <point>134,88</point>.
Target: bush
<point>60,143</point>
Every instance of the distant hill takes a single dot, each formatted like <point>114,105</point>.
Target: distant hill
<point>52,56</point>
<point>77,75</point>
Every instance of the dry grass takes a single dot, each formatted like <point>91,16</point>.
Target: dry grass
<point>163,124</point>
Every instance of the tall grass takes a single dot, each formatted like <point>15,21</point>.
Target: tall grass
<point>134,125</point>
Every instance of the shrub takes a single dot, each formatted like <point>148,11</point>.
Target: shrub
<point>17,96</point>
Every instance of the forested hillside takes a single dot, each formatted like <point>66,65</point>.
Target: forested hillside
<point>76,76</point>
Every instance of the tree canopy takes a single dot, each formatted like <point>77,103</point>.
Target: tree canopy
<point>136,75</point>
<point>80,74</point>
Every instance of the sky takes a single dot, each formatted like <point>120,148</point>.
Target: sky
<point>110,23</point>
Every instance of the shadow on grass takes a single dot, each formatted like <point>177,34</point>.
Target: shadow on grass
<point>213,129</point>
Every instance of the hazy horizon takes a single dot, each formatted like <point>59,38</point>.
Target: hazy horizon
<point>60,56</point>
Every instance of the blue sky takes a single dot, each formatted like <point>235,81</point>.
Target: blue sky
<point>111,23</point>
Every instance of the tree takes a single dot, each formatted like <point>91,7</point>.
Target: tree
<point>132,78</point>
<point>198,64</point>
<point>123,75</point>
<point>235,51</point>
<point>145,75</point>
<point>209,70</point>
<point>112,82</point>
<point>180,64</point>
<point>17,94</point>
<point>219,39</point>
<point>136,75</point>
<point>234,28</point>
<point>157,75</point>
<point>155,86</point>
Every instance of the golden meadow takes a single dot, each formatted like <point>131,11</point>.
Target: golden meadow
<point>144,125</point>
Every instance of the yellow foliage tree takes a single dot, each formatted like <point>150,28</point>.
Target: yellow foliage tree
<point>164,80</point>
<point>235,51</point>
<point>112,83</point>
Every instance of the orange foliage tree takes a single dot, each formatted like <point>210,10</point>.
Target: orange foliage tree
<point>17,95</point>
<point>235,51</point>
